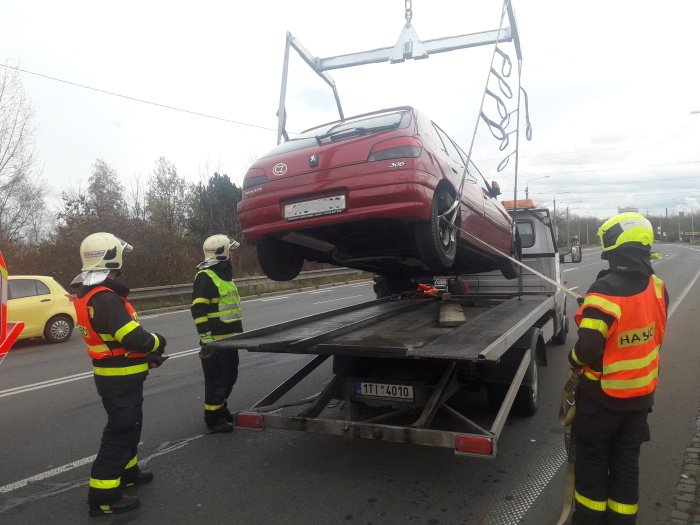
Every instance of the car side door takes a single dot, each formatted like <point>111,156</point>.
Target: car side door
<point>29,301</point>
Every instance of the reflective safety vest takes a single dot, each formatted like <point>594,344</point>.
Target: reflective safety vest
<point>229,302</point>
<point>631,358</point>
<point>103,346</point>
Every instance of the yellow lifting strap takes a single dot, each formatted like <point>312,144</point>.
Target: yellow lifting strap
<point>567,413</point>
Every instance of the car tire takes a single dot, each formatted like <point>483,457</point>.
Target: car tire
<point>388,285</point>
<point>560,338</point>
<point>435,240</point>
<point>278,260</point>
<point>58,329</point>
<point>509,269</point>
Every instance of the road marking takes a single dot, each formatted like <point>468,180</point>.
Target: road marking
<point>164,448</point>
<point>338,299</point>
<point>685,291</point>
<point>245,301</point>
<point>84,375</point>
<point>276,298</point>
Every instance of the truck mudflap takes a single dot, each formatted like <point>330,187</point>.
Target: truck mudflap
<point>465,437</point>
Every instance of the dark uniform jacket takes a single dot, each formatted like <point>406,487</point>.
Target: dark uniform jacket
<point>109,315</point>
<point>622,280</point>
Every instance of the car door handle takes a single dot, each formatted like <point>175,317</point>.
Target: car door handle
<point>45,300</point>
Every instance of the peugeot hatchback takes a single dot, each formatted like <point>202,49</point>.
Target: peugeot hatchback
<point>375,192</point>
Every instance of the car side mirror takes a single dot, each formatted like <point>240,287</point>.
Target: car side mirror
<point>495,189</point>
<point>576,254</point>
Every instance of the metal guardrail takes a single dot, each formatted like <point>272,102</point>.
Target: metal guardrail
<point>243,284</point>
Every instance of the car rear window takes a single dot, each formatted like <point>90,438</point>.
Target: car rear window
<point>370,123</point>
<point>41,288</point>
<point>21,288</point>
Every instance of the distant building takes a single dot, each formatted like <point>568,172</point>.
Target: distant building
<point>628,209</point>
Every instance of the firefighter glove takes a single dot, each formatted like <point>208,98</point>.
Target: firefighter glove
<point>156,358</point>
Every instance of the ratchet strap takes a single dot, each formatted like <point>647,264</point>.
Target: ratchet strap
<point>567,414</point>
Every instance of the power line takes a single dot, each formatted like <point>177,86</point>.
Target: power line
<point>135,99</point>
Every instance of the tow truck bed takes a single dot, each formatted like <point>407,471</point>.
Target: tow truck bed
<point>404,328</point>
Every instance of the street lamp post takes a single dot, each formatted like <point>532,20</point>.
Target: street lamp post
<point>527,184</point>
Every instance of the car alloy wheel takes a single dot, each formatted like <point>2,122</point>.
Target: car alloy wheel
<point>58,329</point>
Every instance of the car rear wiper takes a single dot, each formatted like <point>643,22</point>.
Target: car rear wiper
<point>341,134</point>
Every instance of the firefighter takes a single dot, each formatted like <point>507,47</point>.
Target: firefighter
<point>621,326</point>
<point>122,352</point>
<point>216,310</point>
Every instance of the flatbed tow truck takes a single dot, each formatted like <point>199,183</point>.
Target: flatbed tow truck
<point>402,365</point>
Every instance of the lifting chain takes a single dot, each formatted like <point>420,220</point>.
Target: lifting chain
<point>409,12</point>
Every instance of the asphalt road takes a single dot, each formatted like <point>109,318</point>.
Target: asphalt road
<point>51,420</point>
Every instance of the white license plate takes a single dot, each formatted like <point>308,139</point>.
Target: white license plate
<point>440,282</point>
<point>384,391</point>
<point>314,208</point>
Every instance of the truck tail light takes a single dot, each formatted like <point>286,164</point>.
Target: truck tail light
<point>248,420</point>
<point>396,148</point>
<point>474,445</point>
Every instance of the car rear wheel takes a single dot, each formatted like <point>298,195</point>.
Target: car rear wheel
<point>278,260</point>
<point>58,329</point>
<point>436,239</point>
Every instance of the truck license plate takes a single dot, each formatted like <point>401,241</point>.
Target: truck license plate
<point>314,208</point>
<point>384,391</point>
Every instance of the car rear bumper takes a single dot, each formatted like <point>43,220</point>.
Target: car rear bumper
<point>367,197</point>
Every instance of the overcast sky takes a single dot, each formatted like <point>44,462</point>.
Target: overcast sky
<point>611,87</point>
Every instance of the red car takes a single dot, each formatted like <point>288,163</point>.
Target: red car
<point>367,192</point>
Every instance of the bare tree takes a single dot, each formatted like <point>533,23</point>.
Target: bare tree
<point>166,198</point>
<point>22,191</point>
<point>136,198</point>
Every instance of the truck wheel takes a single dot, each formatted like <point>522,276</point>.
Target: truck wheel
<point>527,398</point>
<point>436,241</point>
<point>58,329</point>
<point>278,260</point>
<point>560,337</point>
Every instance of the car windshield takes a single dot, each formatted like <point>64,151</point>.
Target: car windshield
<point>348,128</point>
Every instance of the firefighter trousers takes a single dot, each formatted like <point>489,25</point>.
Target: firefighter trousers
<point>116,461</point>
<point>220,369</point>
<point>607,443</point>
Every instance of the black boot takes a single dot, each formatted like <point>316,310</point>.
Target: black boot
<point>142,478</point>
<point>222,426</point>
<point>125,504</point>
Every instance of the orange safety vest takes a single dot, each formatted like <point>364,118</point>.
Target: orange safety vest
<point>631,358</point>
<point>97,347</point>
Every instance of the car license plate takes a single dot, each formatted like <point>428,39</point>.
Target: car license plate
<point>440,282</point>
<point>384,391</point>
<point>314,208</point>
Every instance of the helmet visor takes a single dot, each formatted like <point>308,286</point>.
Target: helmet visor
<point>126,247</point>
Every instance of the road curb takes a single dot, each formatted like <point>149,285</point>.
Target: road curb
<point>686,502</point>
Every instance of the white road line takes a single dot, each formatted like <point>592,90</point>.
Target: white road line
<point>338,299</point>
<point>276,298</point>
<point>75,377</point>
<point>164,448</point>
<point>245,301</point>
<point>685,291</point>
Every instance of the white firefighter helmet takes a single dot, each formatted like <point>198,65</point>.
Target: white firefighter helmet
<point>216,249</point>
<point>100,253</point>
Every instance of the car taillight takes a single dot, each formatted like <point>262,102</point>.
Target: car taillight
<point>396,148</point>
<point>254,177</point>
<point>474,445</point>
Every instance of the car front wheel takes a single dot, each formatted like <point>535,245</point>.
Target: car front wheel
<point>58,329</point>
<point>278,260</point>
<point>436,239</point>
